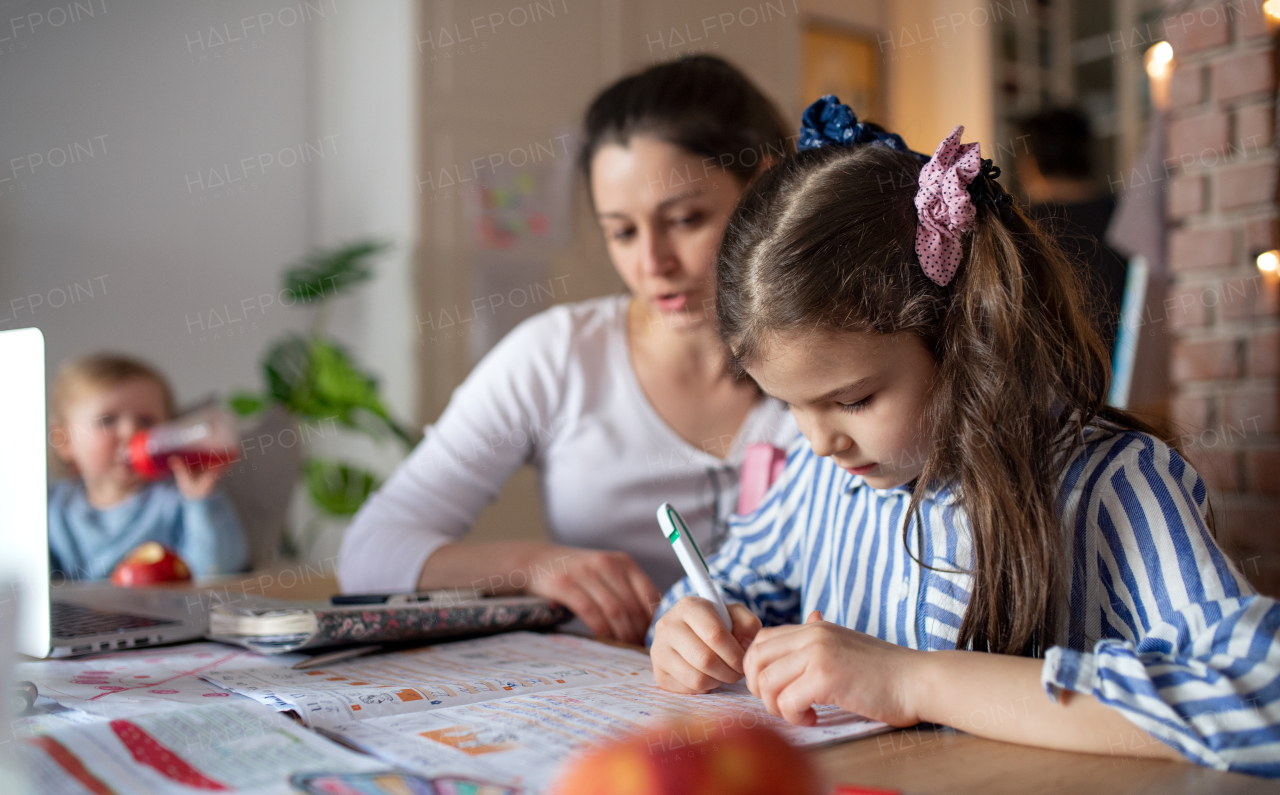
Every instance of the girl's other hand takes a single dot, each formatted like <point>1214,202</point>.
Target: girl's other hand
<point>692,651</point>
<point>607,590</point>
<point>194,484</point>
<point>792,668</point>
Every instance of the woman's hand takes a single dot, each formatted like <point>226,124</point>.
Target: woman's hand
<point>194,484</point>
<point>692,651</point>
<point>607,590</point>
<point>792,668</point>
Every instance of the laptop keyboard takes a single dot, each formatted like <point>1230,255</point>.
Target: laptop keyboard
<point>75,621</point>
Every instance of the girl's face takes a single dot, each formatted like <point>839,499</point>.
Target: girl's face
<point>663,211</point>
<point>858,397</point>
<point>98,426</point>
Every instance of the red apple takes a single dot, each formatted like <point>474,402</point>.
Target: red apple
<point>733,756</point>
<point>150,563</point>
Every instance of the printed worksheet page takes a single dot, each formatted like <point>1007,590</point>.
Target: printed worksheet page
<point>430,678</point>
<point>223,747</point>
<point>127,683</point>
<point>523,740</point>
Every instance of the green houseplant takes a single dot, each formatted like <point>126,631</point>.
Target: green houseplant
<point>315,378</point>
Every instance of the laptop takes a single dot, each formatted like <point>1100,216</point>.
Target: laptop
<point>71,619</point>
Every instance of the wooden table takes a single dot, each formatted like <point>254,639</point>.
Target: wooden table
<point>925,761</point>
<point>919,761</point>
<point>296,581</point>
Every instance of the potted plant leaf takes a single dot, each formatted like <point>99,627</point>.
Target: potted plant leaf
<point>314,378</point>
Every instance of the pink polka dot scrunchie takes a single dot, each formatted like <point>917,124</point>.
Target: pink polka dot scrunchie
<point>944,209</point>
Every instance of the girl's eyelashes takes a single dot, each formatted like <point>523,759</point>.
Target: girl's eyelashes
<point>856,406</point>
<point>850,407</point>
<point>623,235</point>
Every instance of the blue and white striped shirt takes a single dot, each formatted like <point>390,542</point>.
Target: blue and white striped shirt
<point>1161,625</point>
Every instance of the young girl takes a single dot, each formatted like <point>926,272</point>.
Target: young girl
<point>108,509</point>
<point>964,525</point>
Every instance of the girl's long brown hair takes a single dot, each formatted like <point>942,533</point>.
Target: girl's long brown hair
<point>825,241</point>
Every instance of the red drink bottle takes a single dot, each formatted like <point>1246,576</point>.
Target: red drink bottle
<point>204,438</point>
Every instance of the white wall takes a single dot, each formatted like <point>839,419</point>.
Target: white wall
<point>366,92</point>
<point>164,104</point>
<point>308,107</point>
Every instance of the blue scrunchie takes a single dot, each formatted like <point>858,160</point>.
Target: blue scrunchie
<point>828,122</point>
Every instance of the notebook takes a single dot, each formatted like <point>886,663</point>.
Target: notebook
<point>273,626</point>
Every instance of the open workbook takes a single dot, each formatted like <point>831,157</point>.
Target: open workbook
<point>508,709</point>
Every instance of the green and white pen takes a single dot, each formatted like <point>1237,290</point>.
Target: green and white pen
<point>695,567</point>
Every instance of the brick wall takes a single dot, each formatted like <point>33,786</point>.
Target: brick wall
<point>1223,313</point>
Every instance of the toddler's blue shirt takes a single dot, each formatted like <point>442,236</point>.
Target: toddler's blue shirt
<point>86,543</point>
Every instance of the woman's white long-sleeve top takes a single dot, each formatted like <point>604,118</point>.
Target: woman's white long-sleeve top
<point>558,392</point>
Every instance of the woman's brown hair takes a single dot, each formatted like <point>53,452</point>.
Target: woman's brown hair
<point>825,242</point>
<point>700,103</point>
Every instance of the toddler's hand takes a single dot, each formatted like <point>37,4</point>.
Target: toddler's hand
<point>692,651</point>
<point>194,485</point>
<point>792,668</point>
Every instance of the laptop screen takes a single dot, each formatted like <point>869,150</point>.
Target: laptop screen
<point>24,529</point>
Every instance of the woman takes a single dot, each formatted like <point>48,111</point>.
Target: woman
<point>622,402</point>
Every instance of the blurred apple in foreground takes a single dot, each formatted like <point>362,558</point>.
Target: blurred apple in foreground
<point>150,563</point>
<point>715,756</point>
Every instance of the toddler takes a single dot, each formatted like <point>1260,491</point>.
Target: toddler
<point>107,509</point>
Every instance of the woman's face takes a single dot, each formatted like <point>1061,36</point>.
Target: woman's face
<point>663,211</point>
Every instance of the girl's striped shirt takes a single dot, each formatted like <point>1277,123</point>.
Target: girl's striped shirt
<point>1162,626</point>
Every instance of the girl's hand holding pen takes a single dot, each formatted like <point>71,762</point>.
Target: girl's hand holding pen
<point>791,668</point>
<point>692,651</point>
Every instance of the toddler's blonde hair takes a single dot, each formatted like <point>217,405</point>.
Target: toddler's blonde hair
<point>102,371</point>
